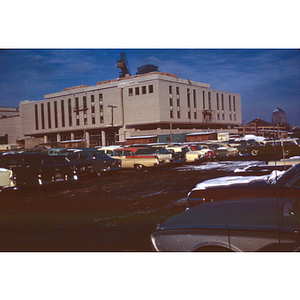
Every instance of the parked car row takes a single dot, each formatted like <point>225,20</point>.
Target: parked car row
<point>259,213</point>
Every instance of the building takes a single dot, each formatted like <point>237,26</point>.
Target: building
<point>279,117</point>
<point>262,128</point>
<point>10,126</point>
<point>116,110</point>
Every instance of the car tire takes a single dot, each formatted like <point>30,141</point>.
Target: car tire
<point>286,152</point>
<point>139,167</point>
<point>254,152</point>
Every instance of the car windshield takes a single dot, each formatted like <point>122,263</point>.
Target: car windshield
<point>289,175</point>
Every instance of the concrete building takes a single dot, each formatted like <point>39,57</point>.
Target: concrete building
<point>142,105</point>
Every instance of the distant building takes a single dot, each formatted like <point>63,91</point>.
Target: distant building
<point>262,128</point>
<point>279,116</point>
<point>146,69</point>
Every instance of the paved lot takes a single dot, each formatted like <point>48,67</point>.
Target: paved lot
<point>115,212</point>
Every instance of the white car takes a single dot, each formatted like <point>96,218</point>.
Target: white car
<point>7,180</point>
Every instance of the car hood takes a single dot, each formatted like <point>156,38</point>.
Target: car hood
<point>254,214</point>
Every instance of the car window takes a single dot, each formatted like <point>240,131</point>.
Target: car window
<point>127,153</point>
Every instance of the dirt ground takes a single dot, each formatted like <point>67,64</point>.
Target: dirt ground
<point>115,212</point>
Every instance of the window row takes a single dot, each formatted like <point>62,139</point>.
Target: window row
<point>67,112</point>
<point>143,90</point>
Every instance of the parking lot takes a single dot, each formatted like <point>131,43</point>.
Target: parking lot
<point>115,212</point>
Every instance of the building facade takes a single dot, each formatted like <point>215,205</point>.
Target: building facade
<point>114,110</point>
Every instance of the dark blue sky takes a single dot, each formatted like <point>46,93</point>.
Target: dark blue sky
<point>263,77</point>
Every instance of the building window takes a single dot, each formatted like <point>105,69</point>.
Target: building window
<point>171,102</point>
<point>49,114</point>
<point>70,112</point>
<point>209,100</point>
<point>36,117</point>
<point>218,116</point>
<point>84,110</point>
<point>195,114</point>
<point>222,96</point>
<point>230,118</point>
<point>229,102</point>
<point>218,105</point>
<point>234,117</point>
<point>130,92</point>
<point>203,93</point>
<point>150,89</point>
<point>234,103</point>
<point>137,91</point>
<point>144,90</point>
<point>43,116</point>
<point>178,114</point>
<point>177,90</point>
<point>178,102</point>
<point>194,96</point>
<point>189,114</point>
<point>101,108</point>
<point>223,117</point>
<point>62,113</point>
<point>171,114</point>
<point>55,114</point>
<point>170,89</point>
<point>77,111</point>
<point>93,109</point>
<point>188,98</point>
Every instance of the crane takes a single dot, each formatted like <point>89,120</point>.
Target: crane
<point>123,65</point>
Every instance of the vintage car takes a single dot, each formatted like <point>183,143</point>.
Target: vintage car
<point>37,169</point>
<point>285,162</point>
<point>7,180</point>
<point>211,154</point>
<point>138,158</point>
<point>99,160</point>
<point>282,183</point>
<point>190,156</point>
<point>224,151</point>
<point>58,151</point>
<point>259,169</point>
<point>83,169</point>
<point>253,224</point>
<point>165,154</point>
<point>246,147</point>
<point>279,149</point>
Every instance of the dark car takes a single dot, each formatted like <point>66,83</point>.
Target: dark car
<point>36,169</point>
<point>256,224</point>
<point>83,169</point>
<point>99,160</point>
<point>279,149</point>
<point>286,185</point>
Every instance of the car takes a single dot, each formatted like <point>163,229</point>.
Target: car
<point>138,158</point>
<point>37,169</point>
<point>99,160</point>
<point>165,154</point>
<point>280,149</point>
<point>281,183</point>
<point>258,169</point>
<point>246,148</point>
<point>83,169</point>
<point>223,150</point>
<point>211,154</point>
<point>240,225</point>
<point>7,180</point>
<point>190,155</point>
